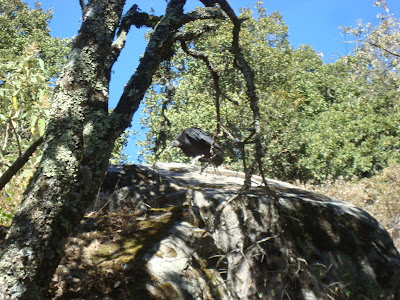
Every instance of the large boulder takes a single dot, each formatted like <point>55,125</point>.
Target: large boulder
<point>169,232</point>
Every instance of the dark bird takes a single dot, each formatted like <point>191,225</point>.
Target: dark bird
<point>196,143</point>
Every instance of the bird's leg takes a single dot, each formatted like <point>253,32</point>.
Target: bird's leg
<point>216,171</point>
<point>203,167</point>
<point>196,159</point>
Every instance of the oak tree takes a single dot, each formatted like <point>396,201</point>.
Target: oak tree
<point>81,132</point>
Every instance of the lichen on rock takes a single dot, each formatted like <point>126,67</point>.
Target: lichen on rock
<point>169,232</point>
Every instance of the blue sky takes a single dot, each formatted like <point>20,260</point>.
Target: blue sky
<point>311,22</point>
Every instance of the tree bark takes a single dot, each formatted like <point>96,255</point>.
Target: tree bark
<point>76,152</point>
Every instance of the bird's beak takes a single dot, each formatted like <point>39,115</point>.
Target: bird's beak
<point>174,143</point>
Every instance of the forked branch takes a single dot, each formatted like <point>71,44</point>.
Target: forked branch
<point>133,17</point>
<point>248,74</point>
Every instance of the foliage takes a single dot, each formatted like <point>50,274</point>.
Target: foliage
<point>22,27</point>
<point>363,119</point>
<point>318,120</point>
<point>29,60</point>
<point>117,155</point>
<point>193,101</point>
<point>24,92</point>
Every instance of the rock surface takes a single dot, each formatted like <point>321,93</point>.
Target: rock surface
<point>169,232</point>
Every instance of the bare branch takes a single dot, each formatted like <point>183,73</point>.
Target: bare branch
<point>194,34</point>
<point>203,14</point>
<point>208,3</point>
<point>384,49</point>
<point>250,81</point>
<point>160,142</point>
<point>83,7</point>
<point>159,48</point>
<point>6,135</point>
<point>19,162</point>
<point>16,137</point>
<point>161,41</point>
<point>132,18</point>
<point>230,99</point>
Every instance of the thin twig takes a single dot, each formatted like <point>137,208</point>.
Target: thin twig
<point>5,143</point>
<point>266,239</point>
<point>160,142</point>
<point>19,162</point>
<point>16,137</point>
<point>384,49</point>
<point>204,57</point>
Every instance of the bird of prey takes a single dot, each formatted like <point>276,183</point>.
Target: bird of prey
<point>196,143</point>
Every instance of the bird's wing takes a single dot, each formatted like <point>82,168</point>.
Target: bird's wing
<point>198,135</point>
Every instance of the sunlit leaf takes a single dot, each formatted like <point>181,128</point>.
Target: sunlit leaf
<point>3,118</point>
<point>15,102</point>
<point>42,126</point>
<point>41,64</point>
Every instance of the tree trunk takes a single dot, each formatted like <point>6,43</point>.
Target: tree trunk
<point>76,154</point>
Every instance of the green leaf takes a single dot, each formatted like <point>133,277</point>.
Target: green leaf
<point>42,126</point>
<point>33,121</point>
<point>3,118</point>
<point>41,64</point>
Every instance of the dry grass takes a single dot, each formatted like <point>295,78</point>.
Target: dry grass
<point>379,196</point>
